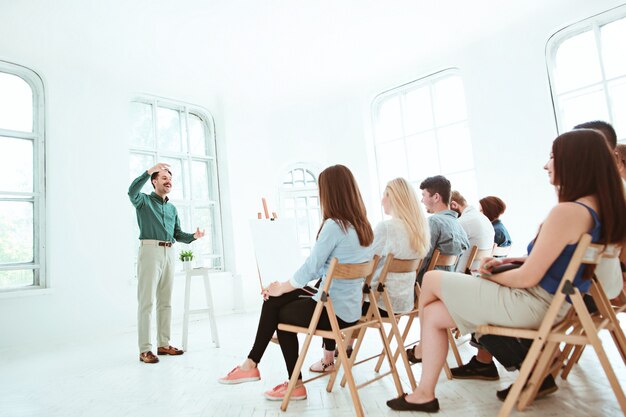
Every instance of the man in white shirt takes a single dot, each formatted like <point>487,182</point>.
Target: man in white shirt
<point>477,226</point>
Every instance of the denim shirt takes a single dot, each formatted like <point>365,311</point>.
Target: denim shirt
<point>447,235</point>
<point>333,242</point>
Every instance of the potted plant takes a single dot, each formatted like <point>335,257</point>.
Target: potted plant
<point>186,256</point>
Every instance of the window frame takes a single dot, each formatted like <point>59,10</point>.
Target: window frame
<point>593,24</point>
<point>38,194</point>
<point>295,192</point>
<point>186,110</point>
<point>428,80</point>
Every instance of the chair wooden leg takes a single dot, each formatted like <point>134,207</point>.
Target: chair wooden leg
<point>539,373</point>
<point>344,360</point>
<point>355,352</point>
<point>520,382</point>
<point>455,350</point>
<point>592,334</point>
<point>293,381</point>
<point>395,331</point>
<point>392,364</point>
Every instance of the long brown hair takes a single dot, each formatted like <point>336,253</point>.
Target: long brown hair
<point>341,201</point>
<point>583,166</point>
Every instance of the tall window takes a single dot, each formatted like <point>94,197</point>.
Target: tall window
<point>421,129</point>
<point>22,185</point>
<point>587,69</point>
<point>182,136</point>
<point>299,200</point>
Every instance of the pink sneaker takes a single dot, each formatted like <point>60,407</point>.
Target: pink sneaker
<point>279,391</point>
<point>238,376</point>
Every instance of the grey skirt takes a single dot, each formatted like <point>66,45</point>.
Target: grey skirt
<point>473,301</point>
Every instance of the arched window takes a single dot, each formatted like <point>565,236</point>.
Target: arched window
<point>22,188</point>
<point>299,200</point>
<point>421,129</point>
<point>183,136</point>
<point>587,70</point>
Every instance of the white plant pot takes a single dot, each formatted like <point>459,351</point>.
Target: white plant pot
<point>187,266</point>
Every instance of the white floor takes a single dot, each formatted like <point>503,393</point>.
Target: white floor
<point>106,379</point>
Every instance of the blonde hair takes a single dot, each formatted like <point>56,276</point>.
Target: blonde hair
<point>406,207</point>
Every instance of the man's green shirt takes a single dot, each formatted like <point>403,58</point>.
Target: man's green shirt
<point>157,218</point>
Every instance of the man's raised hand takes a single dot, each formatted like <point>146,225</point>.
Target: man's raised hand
<point>158,167</point>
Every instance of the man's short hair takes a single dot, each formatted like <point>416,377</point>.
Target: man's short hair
<point>438,184</point>
<point>605,128</point>
<point>155,175</point>
<point>458,198</point>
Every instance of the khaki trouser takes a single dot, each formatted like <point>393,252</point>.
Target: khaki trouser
<point>155,271</point>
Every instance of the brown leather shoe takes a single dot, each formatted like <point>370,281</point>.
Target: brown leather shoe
<point>148,357</point>
<point>169,350</point>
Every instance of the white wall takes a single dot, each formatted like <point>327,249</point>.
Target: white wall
<point>285,83</point>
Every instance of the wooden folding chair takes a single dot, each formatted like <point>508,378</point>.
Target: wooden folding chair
<point>551,334</point>
<point>437,260</point>
<point>394,266</point>
<point>604,318</point>
<point>336,271</point>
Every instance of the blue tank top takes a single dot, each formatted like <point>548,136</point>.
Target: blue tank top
<point>551,280</point>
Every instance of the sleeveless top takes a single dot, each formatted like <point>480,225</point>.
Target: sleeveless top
<point>551,280</point>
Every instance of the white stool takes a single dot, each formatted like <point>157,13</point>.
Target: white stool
<point>205,273</point>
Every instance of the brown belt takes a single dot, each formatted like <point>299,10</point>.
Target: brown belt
<point>156,243</point>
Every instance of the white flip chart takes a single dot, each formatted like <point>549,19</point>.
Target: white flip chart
<point>276,249</point>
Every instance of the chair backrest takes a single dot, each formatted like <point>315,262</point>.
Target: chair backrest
<point>441,260</point>
<point>350,271</point>
<point>500,251</point>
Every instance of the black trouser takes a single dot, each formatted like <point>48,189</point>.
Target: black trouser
<point>288,308</point>
<point>366,306</point>
<point>509,351</point>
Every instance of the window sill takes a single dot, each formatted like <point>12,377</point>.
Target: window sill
<point>26,292</point>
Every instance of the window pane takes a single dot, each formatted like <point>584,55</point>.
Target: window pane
<point>449,101</point>
<point>139,163</point>
<point>455,148</point>
<point>16,231</point>
<point>423,156</point>
<point>16,103</point>
<point>418,112</point>
<point>169,129</point>
<point>314,223</point>
<point>142,127</point>
<point>204,218</point>
<point>298,178</point>
<point>302,222</point>
<point>288,180</point>
<point>389,123</point>
<point>16,159</point>
<point>178,178</point>
<point>613,36</point>
<point>183,217</point>
<point>197,136</point>
<point>576,63</point>
<point>13,279</point>
<point>617,96</point>
<point>310,178</point>
<point>200,175</point>
<point>583,106</point>
<point>391,161</point>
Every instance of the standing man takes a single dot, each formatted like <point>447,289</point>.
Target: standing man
<point>479,229</point>
<point>159,229</point>
<point>446,234</point>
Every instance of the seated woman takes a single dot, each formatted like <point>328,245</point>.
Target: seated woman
<point>345,234</point>
<point>493,207</point>
<point>406,236</point>
<point>590,201</point>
